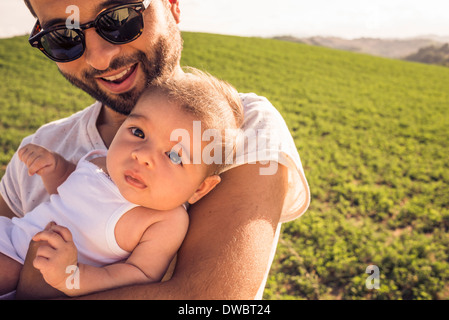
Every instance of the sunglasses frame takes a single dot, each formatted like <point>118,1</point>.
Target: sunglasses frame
<point>38,33</point>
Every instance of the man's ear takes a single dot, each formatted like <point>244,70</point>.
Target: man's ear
<point>175,10</point>
<point>205,187</point>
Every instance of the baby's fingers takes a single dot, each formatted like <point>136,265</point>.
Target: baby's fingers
<point>40,263</point>
<point>25,152</point>
<point>64,232</point>
<point>38,164</point>
<point>54,234</point>
<point>52,238</point>
<point>38,159</point>
<point>43,255</point>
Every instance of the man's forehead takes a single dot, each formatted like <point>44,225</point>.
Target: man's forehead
<point>51,12</point>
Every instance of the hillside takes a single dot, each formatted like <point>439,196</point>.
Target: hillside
<point>432,55</point>
<point>427,49</point>
<point>373,135</point>
<point>388,48</point>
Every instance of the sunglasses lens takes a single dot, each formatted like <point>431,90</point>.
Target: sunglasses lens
<point>63,44</point>
<point>121,25</point>
<point>118,25</point>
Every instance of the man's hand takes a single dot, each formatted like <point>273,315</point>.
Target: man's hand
<point>53,258</point>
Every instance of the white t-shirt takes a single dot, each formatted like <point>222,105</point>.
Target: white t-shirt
<point>75,136</point>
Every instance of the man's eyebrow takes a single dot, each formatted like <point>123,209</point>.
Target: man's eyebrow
<point>109,3</point>
<point>98,8</point>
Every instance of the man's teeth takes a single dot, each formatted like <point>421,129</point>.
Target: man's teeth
<point>117,76</point>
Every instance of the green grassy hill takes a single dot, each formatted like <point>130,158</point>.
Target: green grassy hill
<point>373,135</point>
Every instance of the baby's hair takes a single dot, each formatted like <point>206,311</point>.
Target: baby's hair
<point>214,102</point>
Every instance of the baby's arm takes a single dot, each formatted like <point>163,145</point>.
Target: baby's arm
<point>147,263</point>
<point>52,167</point>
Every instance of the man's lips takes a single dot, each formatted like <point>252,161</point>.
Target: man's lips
<point>134,180</point>
<point>121,81</point>
<point>117,77</point>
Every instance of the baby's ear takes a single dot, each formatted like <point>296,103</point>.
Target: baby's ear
<point>205,187</point>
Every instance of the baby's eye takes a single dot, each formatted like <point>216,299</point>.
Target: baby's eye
<point>174,157</point>
<point>137,132</point>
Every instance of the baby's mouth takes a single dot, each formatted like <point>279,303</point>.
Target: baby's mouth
<point>135,181</point>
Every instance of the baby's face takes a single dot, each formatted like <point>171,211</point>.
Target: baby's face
<point>148,168</point>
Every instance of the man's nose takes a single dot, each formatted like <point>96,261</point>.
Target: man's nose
<point>99,52</point>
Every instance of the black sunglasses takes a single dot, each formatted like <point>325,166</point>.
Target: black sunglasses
<point>118,25</point>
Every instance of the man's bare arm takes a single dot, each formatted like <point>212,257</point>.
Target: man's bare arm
<point>226,252</point>
<point>31,283</point>
<point>5,211</point>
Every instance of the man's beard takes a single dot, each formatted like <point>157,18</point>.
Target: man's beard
<point>165,59</point>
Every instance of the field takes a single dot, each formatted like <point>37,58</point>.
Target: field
<point>373,135</point>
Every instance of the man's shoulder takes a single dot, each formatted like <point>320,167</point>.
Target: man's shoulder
<point>82,116</point>
<point>260,113</point>
<point>274,143</point>
<point>62,128</point>
<point>71,137</point>
<point>251,101</point>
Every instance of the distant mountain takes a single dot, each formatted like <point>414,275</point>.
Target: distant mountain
<point>389,48</point>
<point>432,55</point>
<point>443,39</point>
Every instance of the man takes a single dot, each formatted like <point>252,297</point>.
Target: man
<point>233,231</point>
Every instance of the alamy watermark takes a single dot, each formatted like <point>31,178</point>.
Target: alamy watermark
<point>240,146</point>
<point>73,280</point>
<point>373,281</point>
<point>73,20</point>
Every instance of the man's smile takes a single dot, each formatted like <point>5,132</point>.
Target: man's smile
<point>120,81</point>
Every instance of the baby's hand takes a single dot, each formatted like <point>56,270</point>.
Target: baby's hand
<point>38,159</point>
<point>53,259</point>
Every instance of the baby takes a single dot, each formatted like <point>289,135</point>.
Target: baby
<point>118,217</point>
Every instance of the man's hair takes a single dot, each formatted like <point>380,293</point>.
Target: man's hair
<point>214,102</point>
<point>28,4</point>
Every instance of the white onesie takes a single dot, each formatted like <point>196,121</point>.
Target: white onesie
<point>88,203</point>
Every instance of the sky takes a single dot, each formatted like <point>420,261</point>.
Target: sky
<point>266,18</point>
